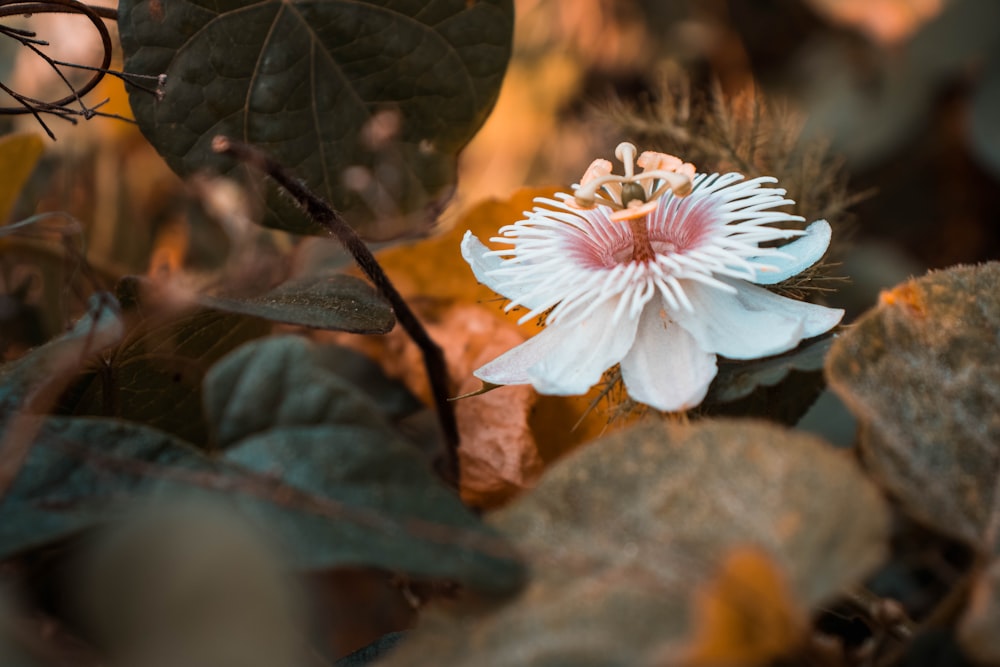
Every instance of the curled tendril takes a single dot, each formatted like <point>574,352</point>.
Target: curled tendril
<point>71,105</point>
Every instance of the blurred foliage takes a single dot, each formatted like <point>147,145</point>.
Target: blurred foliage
<point>169,469</point>
<point>648,548</point>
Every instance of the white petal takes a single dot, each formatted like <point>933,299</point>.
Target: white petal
<point>483,264</point>
<point>665,368</point>
<point>804,251</point>
<point>815,319</point>
<point>565,360</point>
<point>586,349</point>
<point>753,322</point>
<point>512,366</point>
<point>727,324</point>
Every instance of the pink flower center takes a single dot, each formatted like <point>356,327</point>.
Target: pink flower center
<point>678,228</point>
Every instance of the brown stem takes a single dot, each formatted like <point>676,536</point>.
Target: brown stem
<point>323,214</point>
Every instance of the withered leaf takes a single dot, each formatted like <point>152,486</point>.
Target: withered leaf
<point>920,373</point>
<point>626,535</point>
<point>19,153</point>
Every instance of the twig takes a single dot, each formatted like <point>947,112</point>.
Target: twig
<point>323,214</point>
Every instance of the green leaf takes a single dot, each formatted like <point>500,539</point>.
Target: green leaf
<point>276,383</point>
<point>627,538</point>
<point>333,500</point>
<point>51,366</point>
<point>984,128</point>
<point>782,388</point>
<point>324,435</point>
<point>372,653</point>
<point>367,100</point>
<point>920,373</point>
<point>155,375</point>
<point>82,472</point>
<point>336,303</point>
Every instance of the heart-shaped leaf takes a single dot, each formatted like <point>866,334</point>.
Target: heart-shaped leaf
<point>656,545</point>
<point>920,373</point>
<point>367,100</point>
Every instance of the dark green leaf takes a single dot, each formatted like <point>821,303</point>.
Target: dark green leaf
<point>280,412</point>
<point>984,127</point>
<point>334,496</point>
<point>367,100</point>
<point>82,472</point>
<point>337,303</point>
<point>371,653</point>
<point>781,388</point>
<point>277,383</point>
<point>920,372</point>
<point>154,377</point>
<point>59,359</point>
<point>624,536</point>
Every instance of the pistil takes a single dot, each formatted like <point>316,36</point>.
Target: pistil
<point>642,249</point>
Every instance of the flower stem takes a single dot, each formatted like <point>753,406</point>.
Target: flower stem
<point>323,214</point>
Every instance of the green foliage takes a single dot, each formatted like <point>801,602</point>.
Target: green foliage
<point>335,303</point>
<point>165,355</point>
<point>368,100</point>
<point>866,122</point>
<point>782,387</point>
<point>320,435</point>
<point>161,362</point>
<point>326,474</point>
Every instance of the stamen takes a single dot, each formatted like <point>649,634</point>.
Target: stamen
<point>626,153</point>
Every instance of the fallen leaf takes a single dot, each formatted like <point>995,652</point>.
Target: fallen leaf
<point>506,434</point>
<point>919,371</point>
<point>498,454</point>
<point>745,614</point>
<point>19,153</point>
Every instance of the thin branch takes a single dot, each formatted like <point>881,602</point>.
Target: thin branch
<point>61,107</point>
<point>324,215</point>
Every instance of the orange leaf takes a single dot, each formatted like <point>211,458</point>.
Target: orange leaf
<point>745,615</point>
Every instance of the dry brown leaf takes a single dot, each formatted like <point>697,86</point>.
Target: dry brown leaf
<point>977,630</point>
<point>500,430</point>
<point>746,614</point>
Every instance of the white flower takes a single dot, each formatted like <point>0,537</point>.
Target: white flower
<point>630,272</point>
